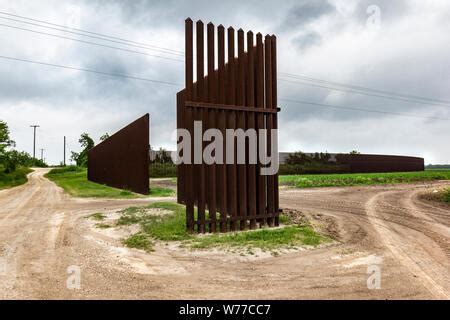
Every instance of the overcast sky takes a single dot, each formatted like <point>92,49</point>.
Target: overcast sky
<point>406,50</point>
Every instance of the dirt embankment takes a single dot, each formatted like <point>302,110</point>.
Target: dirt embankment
<point>391,231</point>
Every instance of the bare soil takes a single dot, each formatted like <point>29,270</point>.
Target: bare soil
<point>167,183</point>
<point>43,232</point>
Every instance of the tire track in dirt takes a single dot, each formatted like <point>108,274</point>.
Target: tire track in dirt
<point>413,237</point>
<point>404,247</point>
<point>396,214</point>
<point>41,230</point>
<point>50,234</point>
<point>16,220</point>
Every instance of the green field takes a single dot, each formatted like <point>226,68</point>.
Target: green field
<point>172,227</point>
<point>360,179</point>
<point>13,179</point>
<point>74,181</point>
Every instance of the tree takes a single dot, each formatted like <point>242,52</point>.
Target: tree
<point>300,158</point>
<point>325,157</point>
<point>355,152</point>
<point>163,156</point>
<point>11,159</point>
<point>104,137</point>
<point>5,140</point>
<point>87,144</point>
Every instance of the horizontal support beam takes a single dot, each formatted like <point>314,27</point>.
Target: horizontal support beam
<point>230,219</point>
<point>229,107</point>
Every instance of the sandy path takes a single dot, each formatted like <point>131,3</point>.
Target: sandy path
<point>43,233</point>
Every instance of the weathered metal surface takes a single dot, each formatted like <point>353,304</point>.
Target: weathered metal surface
<point>239,94</point>
<point>366,163</point>
<point>122,161</point>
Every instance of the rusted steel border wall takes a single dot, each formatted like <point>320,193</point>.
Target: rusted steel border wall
<point>122,161</point>
<point>367,163</point>
<point>241,93</point>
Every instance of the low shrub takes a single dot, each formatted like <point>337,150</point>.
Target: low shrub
<point>14,178</point>
<point>163,170</point>
<point>314,168</point>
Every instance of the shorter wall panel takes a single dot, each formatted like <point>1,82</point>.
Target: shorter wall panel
<point>122,161</point>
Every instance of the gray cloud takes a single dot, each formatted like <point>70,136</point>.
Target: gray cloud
<point>306,11</point>
<point>304,41</point>
<point>322,39</point>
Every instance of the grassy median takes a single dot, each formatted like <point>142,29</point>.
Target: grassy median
<point>362,179</point>
<point>13,179</point>
<point>74,181</point>
<point>171,226</point>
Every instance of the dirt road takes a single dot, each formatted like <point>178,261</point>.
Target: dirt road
<point>389,231</point>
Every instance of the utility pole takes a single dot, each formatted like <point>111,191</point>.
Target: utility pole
<point>64,162</point>
<point>34,139</point>
<point>42,154</point>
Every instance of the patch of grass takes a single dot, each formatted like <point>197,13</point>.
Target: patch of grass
<point>163,170</point>
<point>64,170</point>
<point>126,194</point>
<point>132,215</point>
<point>74,181</point>
<point>139,241</point>
<point>166,227</point>
<point>13,179</point>
<point>356,179</point>
<point>265,239</point>
<point>446,196</point>
<point>103,226</point>
<point>97,216</point>
<point>284,219</point>
<point>172,227</point>
<point>438,167</point>
<point>161,192</point>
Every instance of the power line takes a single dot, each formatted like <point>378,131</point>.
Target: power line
<point>92,43</point>
<point>363,93</point>
<point>179,85</point>
<point>90,32</point>
<point>403,95</point>
<point>92,71</point>
<point>354,89</point>
<point>361,110</point>
<point>95,37</point>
